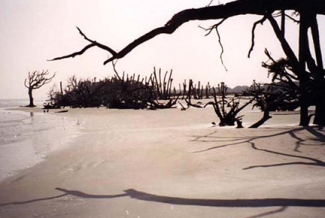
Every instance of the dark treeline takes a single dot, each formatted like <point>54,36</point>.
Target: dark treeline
<point>127,92</point>
<point>136,92</point>
<point>124,92</point>
<point>157,92</point>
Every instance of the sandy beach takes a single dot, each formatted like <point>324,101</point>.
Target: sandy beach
<point>172,163</point>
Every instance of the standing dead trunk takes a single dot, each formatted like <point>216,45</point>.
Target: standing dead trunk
<point>31,99</point>
<point>303,78</point>
<point>36,80</point>
<point>320,107</point>
<point>320,89</point>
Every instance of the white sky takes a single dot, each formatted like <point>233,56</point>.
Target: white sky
<point>34,31</point>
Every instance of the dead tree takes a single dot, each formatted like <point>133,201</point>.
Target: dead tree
<point>308,10</point>
<point>54,98</point>
<point>138,95</point>
<point>163,88</point>
<point>191,92</point>
<point>34,81</point>
<point>285,81</point>
<point>227,109</point>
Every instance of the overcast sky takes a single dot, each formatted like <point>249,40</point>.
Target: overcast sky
<point>34,31</point>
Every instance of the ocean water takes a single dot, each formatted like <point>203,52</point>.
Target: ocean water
<point>26,138</point>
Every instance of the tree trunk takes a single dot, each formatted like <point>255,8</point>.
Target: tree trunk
<point>320,106</point>
<point>266,116</point>
<point>303,78</point>
<point>62,103</point>
<point>31,99</point>
<point>320,90</point>
<point>304,120</point>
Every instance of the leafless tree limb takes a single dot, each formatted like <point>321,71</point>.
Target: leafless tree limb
<point>97,44</point>
<point>220,43</point>
<point>261,21</point>
<point>256,7</point>
<point>315,35</point>
<point>291,18</point>
<point>215,27</point>
<point>283,22</point>
<point>208,5</point>
<point>115,71</point>
<point>38,79</point>
<point>285,45</point>
<point>93,44</point>
<point>75,53</point>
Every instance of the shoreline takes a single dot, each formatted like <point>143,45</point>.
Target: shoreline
<point>34,140</point>
<point>79,119</point>
<point>172,163</point>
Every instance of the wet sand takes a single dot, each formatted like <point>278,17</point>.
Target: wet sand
<point>172,163</point>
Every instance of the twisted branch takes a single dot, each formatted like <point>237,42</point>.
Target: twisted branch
<point>261,21</point>
<point>240,7</point>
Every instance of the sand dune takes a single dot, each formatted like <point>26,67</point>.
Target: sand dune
<point>172,163</point>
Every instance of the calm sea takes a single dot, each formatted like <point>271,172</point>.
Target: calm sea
<point>27,138</point>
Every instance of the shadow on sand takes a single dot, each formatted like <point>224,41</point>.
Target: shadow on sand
<point>317,137</point>
<point>282,203</point>
<point>132,193</point>
<point>66,193</point>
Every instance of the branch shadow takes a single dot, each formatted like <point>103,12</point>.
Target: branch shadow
<point>235,141</point>
<point>281,209</point>
<point>316,137</point>
<point>233,203</point>
<point>282,203</point>
<point>66,193</point>
<point>314,162</point>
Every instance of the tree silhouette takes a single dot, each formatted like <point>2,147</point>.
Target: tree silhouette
<point>36,80</point>
<point>227,109</point>
<point>269,10</point>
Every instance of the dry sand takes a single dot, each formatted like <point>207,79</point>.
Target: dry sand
<point>172,163</point>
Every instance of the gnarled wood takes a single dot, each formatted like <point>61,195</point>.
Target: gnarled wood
<point>36,80</point>
<point>241,7</point>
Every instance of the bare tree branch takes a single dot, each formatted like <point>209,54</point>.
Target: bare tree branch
<point>220,43</point>
<point>209,30</point>
<point>315,35</point>
<point>74,54</point>
<point>291,18</point>
<point>261,21</point>
<point>240,7</point>
<point>283,22</point>
<point>209,3</point>
<point>97,44</point>
<point>285,45</point>
<point>93,43</point>
<point>115,71</point>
